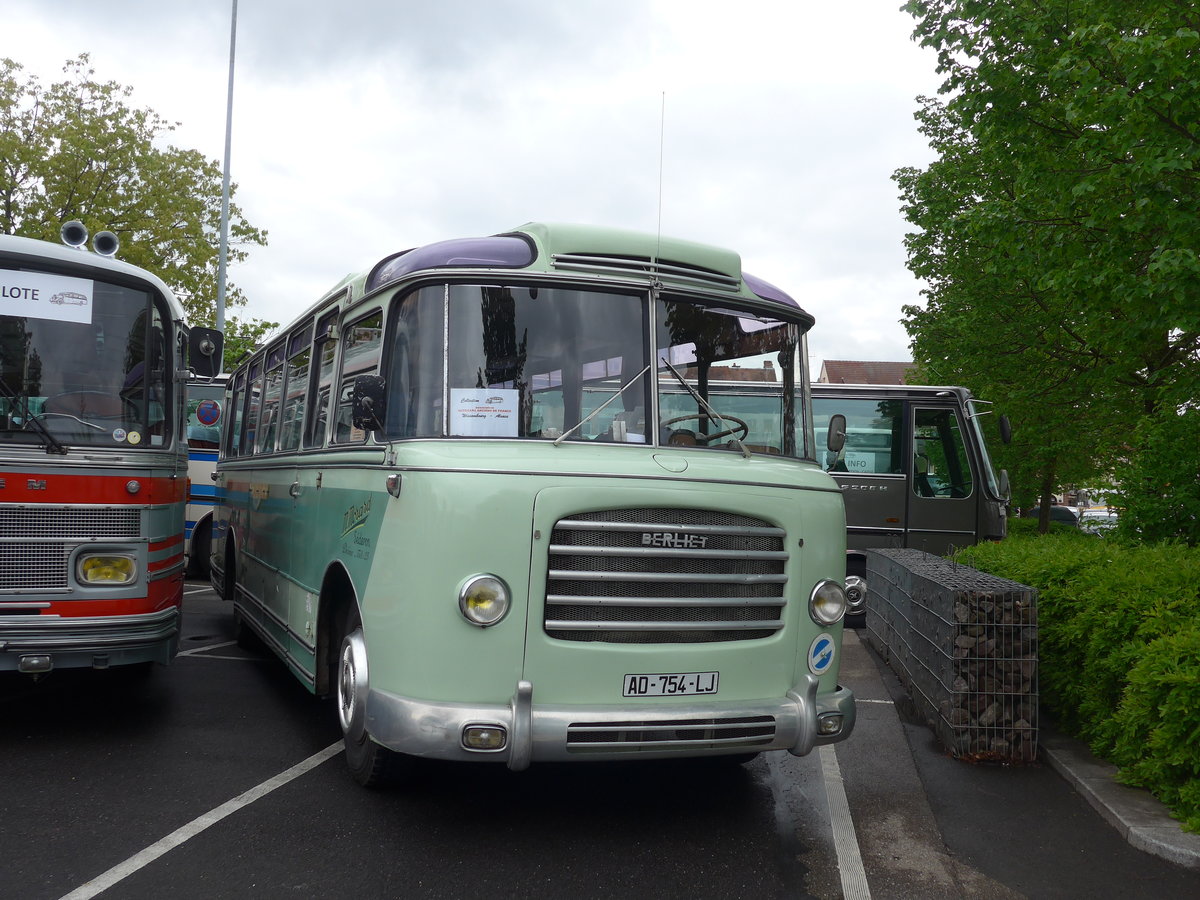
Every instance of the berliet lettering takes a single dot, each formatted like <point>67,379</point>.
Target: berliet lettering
<point>674,541</point>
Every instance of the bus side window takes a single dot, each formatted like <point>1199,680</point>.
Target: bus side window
<point>360,356</point>
<point>233,406</point>
<point>941,467</point>
<point>272,389</point>
<point>295,387</point>
<point>324,351</point>
<point>254,391</point>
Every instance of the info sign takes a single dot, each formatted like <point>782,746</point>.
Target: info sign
<point>37,295</point>
<point>486,412</point>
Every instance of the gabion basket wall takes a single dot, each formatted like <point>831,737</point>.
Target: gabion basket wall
<point>964,644</point>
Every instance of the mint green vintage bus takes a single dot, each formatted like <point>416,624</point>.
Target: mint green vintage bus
<point>456,500</point>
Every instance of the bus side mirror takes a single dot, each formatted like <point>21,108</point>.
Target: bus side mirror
<point>1005,430</point>
<point>368,402</point>
<point>206,351</point>
<point>836,435</point>
<point>1005,490</point>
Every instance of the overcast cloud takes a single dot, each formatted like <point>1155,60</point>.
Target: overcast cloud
<point>362,127</point>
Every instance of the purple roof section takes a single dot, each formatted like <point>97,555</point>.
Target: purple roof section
<point>510,251</point>
<point>498,251</point>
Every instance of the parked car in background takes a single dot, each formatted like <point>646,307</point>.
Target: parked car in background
<point>1098,520</point>
<point>1064,515</point>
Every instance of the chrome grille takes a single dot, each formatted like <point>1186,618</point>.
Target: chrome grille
<point>29,566</point>
<point>665,576</point>
<point>642,265</point>
<point>36,541</point>
<point>671,734</point>
<point>71,524</point>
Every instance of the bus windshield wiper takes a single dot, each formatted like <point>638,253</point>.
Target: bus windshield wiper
<point>708,409</point>
<point>595,412</point>
<point>53,444</point>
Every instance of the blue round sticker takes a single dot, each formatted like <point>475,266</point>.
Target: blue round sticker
<point>821,654</point>
<point>208,412</point>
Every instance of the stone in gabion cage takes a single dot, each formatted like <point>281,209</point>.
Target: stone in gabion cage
<point>964,644</point>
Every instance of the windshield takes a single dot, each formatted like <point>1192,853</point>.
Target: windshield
<point>563,364</point>
<point>989,472</point>
<point>88,367</point>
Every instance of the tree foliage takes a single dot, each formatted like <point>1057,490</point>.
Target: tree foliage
<point>77,150</point>
<point>1056,230</point>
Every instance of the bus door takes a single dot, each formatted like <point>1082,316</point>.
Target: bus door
<point>943,490</point>
<point>869,468</point>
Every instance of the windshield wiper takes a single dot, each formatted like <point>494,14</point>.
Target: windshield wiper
<point>595,412</point>
<point>53,444</point>
<point>708,409</point>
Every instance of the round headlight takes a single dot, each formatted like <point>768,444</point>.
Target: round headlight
<point>827,603</point>
<point>483,600</point>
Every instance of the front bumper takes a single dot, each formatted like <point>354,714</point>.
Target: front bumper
<point>627,731</point>
<point>39,643</point>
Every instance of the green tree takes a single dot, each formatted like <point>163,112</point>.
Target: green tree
<point>1056,229</point>
<point>77,150</point>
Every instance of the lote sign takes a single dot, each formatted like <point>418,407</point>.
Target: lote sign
<point>37,295</point>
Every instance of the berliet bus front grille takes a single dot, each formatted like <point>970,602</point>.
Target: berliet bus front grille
<point>36,542</point>
<point>657,576</point>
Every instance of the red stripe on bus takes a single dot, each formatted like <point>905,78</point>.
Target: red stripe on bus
<point>52,487</point>
<point>160,595</point>
<point>168,542</point>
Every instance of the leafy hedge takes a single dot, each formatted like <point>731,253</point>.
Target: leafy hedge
<point>1119,650</point>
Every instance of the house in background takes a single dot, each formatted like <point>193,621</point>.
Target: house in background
<point>847,371</point>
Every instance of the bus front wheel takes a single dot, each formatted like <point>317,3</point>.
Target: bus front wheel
<point>371,765</point>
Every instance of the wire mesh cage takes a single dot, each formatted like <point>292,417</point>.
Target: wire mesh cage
<point>964,644</point>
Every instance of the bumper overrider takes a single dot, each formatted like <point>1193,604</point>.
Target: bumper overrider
<point>37,643</point>
<point>522,732</point>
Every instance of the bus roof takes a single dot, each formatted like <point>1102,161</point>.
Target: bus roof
<point>16,247</point>
<point>582,249</point>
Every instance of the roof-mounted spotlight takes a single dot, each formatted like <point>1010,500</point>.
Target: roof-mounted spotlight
<point>105,243</point>
<point>73,233</point>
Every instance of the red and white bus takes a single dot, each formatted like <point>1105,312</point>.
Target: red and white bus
<point>93,456</point>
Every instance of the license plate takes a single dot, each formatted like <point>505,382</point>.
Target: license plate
<point>670,685</point>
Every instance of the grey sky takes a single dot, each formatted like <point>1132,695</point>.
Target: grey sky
<point>367,126</point>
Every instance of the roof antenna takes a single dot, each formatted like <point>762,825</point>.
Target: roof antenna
<point>662,129</point>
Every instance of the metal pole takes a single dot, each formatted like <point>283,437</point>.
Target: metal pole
<point>223,252</point>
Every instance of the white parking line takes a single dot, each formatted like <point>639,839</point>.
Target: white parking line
<point>196,651</point>
<point>187,832</point>
<point>845,840</point>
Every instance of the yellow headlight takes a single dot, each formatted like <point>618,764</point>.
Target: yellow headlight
<point>107,570</point>
<point>483,600</point>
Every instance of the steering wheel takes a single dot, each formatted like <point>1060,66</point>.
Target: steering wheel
<point>739,425</point>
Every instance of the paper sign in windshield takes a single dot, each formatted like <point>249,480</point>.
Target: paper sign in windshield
<point>37,295</point>
<point>484,413</point>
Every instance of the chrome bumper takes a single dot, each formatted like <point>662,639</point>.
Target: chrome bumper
<point>633,731</point>
<point>42,643</point>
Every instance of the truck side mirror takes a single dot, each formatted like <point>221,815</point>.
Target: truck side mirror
<point>368,402</point>
<point>835,436</point>
<point>206,351</point>
<point>1005,430</point>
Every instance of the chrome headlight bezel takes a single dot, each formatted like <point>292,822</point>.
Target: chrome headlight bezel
<point>484,600</point>
<point>827,602</point>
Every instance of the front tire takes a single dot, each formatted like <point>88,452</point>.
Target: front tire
<point>371,764</point>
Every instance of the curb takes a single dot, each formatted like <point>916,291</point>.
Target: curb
<point>1139,818</point>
